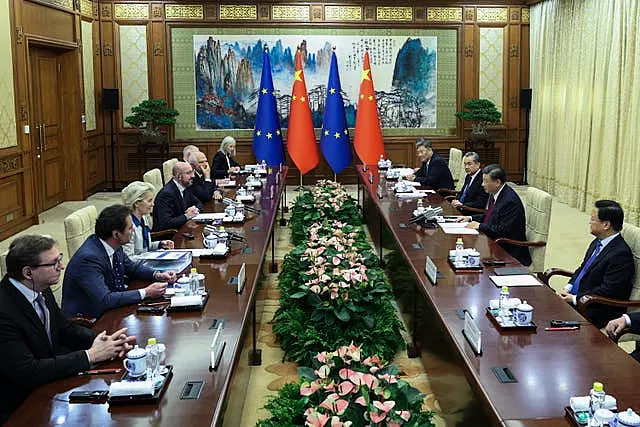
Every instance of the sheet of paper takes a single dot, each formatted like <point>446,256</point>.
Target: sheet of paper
<point>459,230</point>
<point>209,216</point>
<point>517,280</point>
<point>445,225</point>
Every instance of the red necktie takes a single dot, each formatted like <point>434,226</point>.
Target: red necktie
<point>487,216</point>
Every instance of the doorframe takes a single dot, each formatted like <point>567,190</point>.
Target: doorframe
<point>71,151</point>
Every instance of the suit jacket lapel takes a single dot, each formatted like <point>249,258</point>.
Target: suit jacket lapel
<point>603,252</point>
<point>27,309</point>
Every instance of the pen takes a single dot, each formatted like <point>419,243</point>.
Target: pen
<point>101,371</point>
<point>563,328</point>
<point>152,304</point>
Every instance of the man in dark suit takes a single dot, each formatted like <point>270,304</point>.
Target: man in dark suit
<point>616,326</point>
<point>175,204</point>
<point>95,279</point>
<point>202,186</point>
<point>434,172</point>
<point>505,213</point>
<point>38,344</point>
<point>607,268</point>
<point>472,193</point>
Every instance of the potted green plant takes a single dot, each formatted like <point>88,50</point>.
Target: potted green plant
<point>482,112</point>
<point>150,115</point>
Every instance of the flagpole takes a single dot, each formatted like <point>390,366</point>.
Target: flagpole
<point>300,182</point>
<point>335,178</point>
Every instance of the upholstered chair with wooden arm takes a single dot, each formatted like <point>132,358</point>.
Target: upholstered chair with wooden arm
<point>537,205</point>
<point>455,166</point>
<point>167,169</point>
<point>78,226</point>
<point>154,177</point>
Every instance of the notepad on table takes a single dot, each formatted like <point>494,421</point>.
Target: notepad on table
<point>516,280</point>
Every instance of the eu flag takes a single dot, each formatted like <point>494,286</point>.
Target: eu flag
<point>334,136</point>
<point>267,137</point>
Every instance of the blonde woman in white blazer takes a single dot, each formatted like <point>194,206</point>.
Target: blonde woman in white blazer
<point>138,196</point>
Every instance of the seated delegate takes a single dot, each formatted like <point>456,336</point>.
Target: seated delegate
<point>38,344</point>
<point>434,172</point>
<point>223,162</point>
<point>505,213</point>
<point>138,196</point>
<point>175,204</point>
<point>607,268</point>
<point>95,278</point>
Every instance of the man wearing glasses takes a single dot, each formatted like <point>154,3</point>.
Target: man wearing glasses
<point>38,344</point>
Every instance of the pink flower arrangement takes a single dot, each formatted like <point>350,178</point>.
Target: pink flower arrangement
<point>344,386</point>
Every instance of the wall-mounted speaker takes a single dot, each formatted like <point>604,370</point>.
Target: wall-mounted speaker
<point>525,99</point>
<point>110,99</point>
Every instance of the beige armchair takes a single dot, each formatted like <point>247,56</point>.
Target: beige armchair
<point>455,166</point>
<point>3,263</point>
<point>153,177</point>
<point>537,205</point>
<point>78,226</point>
<point>167,169</point>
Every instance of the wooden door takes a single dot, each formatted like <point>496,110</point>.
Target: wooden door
<point>47,130</point>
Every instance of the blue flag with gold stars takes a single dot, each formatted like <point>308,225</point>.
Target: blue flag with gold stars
<point>267,137</point>
<point>334,136</point>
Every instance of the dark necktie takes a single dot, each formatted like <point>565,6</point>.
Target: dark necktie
<point>118,272</point>
<point>44,314</point>
<point>487,216</point>
<point>466,188</point>
<point>576,284</point>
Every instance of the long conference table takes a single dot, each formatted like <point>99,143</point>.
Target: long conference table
<point>187,336</point>
<point>550,366</point>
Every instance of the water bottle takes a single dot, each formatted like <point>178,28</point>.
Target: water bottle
<point>596,401</point>
<point>459,251</point>
<point>420,208</point>
<point>263,164</point>
<point>153,358</point>
<point>504,303</point>
<point>193,282</point>
<point>223,236</point>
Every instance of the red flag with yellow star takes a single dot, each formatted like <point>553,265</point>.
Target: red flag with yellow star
<point>368,135</point>
<point>301,141</point>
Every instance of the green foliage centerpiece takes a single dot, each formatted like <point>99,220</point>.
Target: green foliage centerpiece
<point>327,200</point>
<point>332,289</point>
<point>343,389</point>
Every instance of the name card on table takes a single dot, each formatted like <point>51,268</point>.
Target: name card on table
<point>472,333</point>
<point>242,278</point>
<point>217,347</point>
<point>432,270</point>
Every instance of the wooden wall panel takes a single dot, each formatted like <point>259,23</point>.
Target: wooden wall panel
<point>48,23</point>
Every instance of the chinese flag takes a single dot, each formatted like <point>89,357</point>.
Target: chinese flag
<point>368,135</point>
<point>301,141</point>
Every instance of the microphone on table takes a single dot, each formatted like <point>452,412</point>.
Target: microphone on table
<point>429,214</point>
<point>231,202</point>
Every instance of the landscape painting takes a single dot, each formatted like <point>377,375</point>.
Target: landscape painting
<point>228,69</point>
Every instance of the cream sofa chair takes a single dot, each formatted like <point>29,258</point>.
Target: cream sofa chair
<point>167,169</point>
<point>78,226</point>
<point>455,166</point>
<point>537,205</point>
<point>154,177</point>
